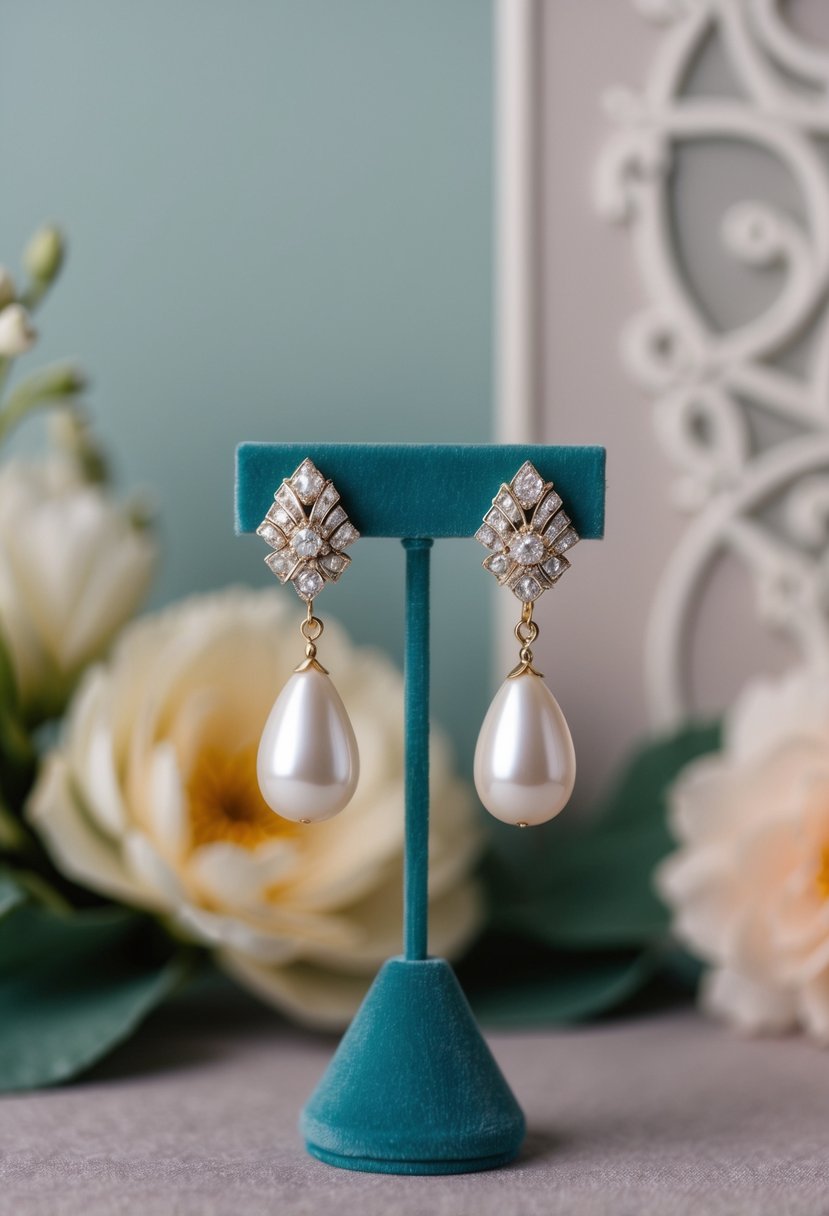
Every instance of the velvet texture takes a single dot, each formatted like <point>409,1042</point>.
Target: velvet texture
<point>420,489</point>
<point>413,1087</point>
<point>416,878</point>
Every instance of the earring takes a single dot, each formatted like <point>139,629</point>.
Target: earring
<point>307,765</point>
<point>525,764</point>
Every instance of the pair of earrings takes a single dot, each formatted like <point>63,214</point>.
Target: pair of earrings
<point>525,765</point>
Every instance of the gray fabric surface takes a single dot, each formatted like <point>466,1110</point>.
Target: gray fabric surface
<point>661,1115</point>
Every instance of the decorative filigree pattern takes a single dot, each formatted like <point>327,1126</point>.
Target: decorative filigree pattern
<point>765,503</point>
<point>528,533</point>
<point>307,529</point>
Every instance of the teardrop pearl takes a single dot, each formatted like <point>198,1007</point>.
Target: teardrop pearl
<point>525,763</point>
<point>307,765</point>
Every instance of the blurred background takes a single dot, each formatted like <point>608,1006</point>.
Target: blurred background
<point>561,221</point>
<point>280,227</point>
<point>283,220</point>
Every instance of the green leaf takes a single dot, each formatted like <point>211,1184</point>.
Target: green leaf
<point>597,891</point>
<point>570,989</point>
<point>12,836</point>
<point>601,894</point>
<point>74,986</point>
<point>8,683</point>
<point>57,384</point>
<point>639,795</point>
<point>17,753</point>
<point>29,885</point>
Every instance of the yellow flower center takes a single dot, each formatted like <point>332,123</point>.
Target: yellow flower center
<point>225,803</point>
<point>822,879</point>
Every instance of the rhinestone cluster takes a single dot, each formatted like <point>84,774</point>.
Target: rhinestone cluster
<point>528,534</point>
<point>307,529</point>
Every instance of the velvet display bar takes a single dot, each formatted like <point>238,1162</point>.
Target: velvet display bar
<point>413,1087</point>
<point>421,489</point>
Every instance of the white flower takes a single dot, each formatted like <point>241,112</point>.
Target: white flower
<point>749,887</point>
<point>8,291</point>
<point>17,333</point>
<point>151,798</point>
<point>73,569</point>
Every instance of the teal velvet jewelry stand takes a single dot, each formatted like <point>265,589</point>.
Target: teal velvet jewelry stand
<point>413,1087</point>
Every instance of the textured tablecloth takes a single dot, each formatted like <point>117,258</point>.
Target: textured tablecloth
<point>658,1115</point>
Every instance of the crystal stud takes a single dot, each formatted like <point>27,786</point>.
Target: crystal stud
<point>498,564</point>
<point>305,542</point>
<point>307,482</point>
<point>527,533</point>
<point>308,528</point>
<point>527,485</point>
<point>527,549</point>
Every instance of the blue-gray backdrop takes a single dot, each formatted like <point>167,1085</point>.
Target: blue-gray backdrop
<point>280,223</point>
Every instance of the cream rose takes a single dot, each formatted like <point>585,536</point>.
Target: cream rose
<point>73,568</point>
<point>151,798</point>
<point>749,886</point>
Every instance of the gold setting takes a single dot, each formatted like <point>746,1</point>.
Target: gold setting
<point>528,533</point>
<point>307,530</point>
<point>311,629</point>
<point>526,631</point>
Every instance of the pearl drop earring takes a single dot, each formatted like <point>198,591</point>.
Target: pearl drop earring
<point>525,764</point>
<point>307,765</point>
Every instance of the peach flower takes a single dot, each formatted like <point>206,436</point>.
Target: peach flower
<point>749,886</point>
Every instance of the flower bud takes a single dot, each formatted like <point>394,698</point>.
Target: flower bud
<point>8,291</point>
<point>70,430</point>
<point>43,256</point>
<point>17,333</point>
<point>61,380</point>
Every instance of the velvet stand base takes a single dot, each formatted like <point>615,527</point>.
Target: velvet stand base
<point>413,1087</point>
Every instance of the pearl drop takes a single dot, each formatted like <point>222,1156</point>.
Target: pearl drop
<point>307,765</point>
<point>525,764</point>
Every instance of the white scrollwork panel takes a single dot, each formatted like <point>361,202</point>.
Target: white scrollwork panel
<point>764,504</point>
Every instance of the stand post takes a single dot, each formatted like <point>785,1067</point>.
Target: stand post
<point>416,675</point>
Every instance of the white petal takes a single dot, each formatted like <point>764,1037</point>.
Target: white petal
<point>93,758</point>
<point>377,926</point>
<point>814,965</point>
<point>17,333</point>
<point>813,1006</point>
<point>151,871</point>
<point>345,857</point>
<point>116,584</point>
<point>53,585</point>
<point>239,878</point>
<point>327,998</point>
<point>696,885</point>
<point>166,810</point>
<point>324,999</point>
<point>229,933</point>
<point>770,712</point>
<point>76,847</point>
<point>749,1007</point>
<point>51,576</point>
